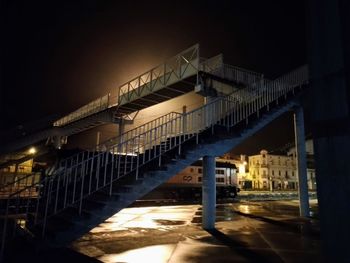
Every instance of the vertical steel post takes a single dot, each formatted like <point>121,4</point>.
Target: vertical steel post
<point>301,161</point>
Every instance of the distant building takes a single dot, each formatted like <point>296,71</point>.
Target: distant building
<point>16,177</point>
<point>311,173</point>
<point>269,172</point>
<point>278,172</point>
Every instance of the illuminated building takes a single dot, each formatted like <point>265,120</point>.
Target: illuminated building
<point>277,172</point>
<point>16,176</point>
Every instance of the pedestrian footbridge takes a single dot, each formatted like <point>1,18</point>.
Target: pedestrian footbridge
<point>87,188</point>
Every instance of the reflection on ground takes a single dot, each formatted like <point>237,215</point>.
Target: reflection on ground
<point>148,217</point>
<point>268,231</point>
<point>162,252</point>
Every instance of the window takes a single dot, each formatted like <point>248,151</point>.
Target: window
<point>220,180</point>
<point>200,170</point>
<point>191,170</point>
<point>199,179</point>
<point>292,173</point>
<point>273,172</point>
<point>286,173</point>
<point>279,173</point>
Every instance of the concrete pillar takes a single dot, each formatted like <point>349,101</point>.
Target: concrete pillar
<point>208,193</point>
<point>329,60</point>
<point>301,161</point>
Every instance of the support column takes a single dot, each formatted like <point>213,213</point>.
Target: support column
<point>208,193</point>
<point>121,129</point>
<point>329,60</point>
<point>301,161</point>
<point>98,139</point>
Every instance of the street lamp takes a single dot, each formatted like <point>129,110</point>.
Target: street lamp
<point>32,150</point>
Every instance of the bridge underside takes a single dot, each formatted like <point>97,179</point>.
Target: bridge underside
<point>166,93</point>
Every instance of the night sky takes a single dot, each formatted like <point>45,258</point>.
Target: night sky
<point>59,55</point>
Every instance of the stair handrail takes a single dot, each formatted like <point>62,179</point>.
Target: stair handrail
<point>103,145</point>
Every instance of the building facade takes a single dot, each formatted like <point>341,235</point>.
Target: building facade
<point>276,172</point>
<point>18,178</point>
<point>269,172</point>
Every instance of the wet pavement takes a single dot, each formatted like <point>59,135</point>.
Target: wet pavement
<point>246,231</point>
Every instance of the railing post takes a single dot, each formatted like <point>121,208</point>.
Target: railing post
<point>57,191</point>
<point>112,171</point>
<point>3,239</point>
<point>46,206</point>
<point>82,185</point>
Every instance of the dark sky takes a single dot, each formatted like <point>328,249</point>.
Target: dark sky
<point>58,55</point>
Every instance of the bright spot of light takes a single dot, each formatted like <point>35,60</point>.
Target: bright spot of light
<point>32,150</point>
<point>158,254</point>
<point>244,209</point>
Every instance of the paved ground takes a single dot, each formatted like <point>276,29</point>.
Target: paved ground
<point>246,231</point>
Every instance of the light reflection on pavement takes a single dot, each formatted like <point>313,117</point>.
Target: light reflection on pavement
<point>148,217</point>
<point>145,254</point>
<point>246,231</point>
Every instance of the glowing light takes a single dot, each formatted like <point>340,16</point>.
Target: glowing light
<point>244,209</point>
<point>32,150</point>
<point>158,254</point>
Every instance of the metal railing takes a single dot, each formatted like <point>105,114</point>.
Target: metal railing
<point>90,171</point>
<point>95,106</point>
<point>103,146</point>
<point>181,66</point>
<point>185,64</point>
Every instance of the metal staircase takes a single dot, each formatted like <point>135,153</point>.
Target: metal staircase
<point>87,188</point>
